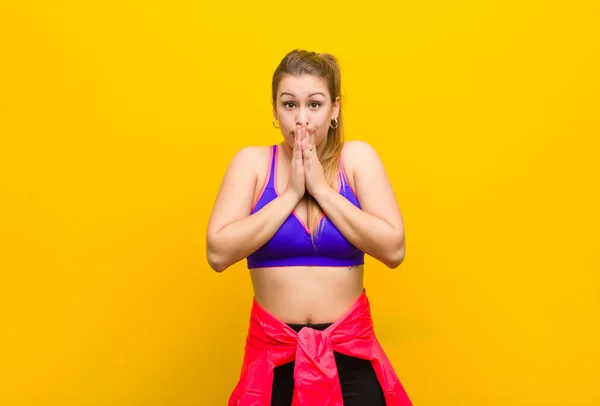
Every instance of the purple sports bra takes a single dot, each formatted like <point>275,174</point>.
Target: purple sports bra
<point>291,245</point>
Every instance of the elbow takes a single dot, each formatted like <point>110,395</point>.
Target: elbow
<point>396,256</point>
<point>216,261</point>
<point>394,262</point>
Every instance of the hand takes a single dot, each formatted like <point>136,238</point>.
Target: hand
<point>296,181</point>
<point>313,170</point>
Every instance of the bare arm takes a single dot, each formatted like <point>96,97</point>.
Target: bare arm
<point>377,228</point>
<point>233,233</point>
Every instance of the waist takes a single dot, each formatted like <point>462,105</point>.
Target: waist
<point>317,326</point>
<point>267,329</point>
<point>302,295</point>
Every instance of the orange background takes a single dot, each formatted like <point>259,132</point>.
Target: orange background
<point>118,119</point>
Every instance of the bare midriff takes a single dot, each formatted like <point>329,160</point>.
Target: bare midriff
<point>307,295</point>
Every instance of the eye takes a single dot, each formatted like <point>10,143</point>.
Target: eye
<point>288,103</point>
<point>315,104</point>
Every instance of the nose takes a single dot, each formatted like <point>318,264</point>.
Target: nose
<point>302,116</point>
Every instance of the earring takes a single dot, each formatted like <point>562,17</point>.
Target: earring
<point>337,124</point>
<point>274,123</point>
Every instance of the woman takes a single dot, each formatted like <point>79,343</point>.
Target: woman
<point>303,213</point>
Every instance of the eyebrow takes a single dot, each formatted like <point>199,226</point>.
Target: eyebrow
<point>310,95</point>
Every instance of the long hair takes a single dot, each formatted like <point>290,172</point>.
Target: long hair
<point>325,66</point>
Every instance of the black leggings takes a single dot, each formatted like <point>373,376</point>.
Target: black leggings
<point>359,383</point>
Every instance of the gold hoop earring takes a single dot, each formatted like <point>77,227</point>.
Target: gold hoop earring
<point>274,123</point>
<point>337,124</point>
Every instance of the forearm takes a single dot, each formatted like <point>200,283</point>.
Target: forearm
<point>366,232</point>
<point>241,238</point>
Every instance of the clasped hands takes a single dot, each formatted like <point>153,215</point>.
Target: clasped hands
<point>306,173</point>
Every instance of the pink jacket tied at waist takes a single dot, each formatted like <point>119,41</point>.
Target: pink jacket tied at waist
<point>271,343</point>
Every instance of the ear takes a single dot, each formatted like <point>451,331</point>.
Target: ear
<point>335,109</point>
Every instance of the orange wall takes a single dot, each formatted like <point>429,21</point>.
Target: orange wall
<point>117,120</point>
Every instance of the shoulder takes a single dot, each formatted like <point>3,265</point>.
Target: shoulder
<point>358,158</point>
<point>357,148</point>
<point>358,154</point>
<point>251,157</point>
<point>252,153</point>
<point>247,165</point>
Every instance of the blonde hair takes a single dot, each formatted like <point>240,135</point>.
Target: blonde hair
<point>325,66</point>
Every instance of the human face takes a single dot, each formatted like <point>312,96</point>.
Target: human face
<point>304,99</point>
